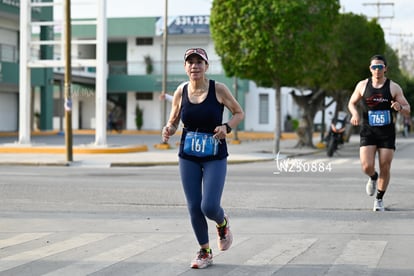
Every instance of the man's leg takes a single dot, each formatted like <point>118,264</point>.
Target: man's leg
<point>385,158</point>
<point>367,157</point>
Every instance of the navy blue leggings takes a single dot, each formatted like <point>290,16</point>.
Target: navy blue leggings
<point>203,184</point>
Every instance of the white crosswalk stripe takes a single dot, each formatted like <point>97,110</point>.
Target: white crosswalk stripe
<point>360,256</point>
<point>21,238</point>
<point>279,254</point>
<point>38,253</point>
<point>179,262</point>
<point>105,259</point>
<point>161,254</point>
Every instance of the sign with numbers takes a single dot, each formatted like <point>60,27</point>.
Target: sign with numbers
<point>200,144</point>
<point>379,117</point>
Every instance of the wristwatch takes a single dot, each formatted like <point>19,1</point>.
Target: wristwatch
<point>228,128</point>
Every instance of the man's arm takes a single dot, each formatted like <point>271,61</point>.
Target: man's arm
<point>399,103</point>
<point>353,101</point>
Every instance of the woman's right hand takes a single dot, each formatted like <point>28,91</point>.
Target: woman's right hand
<point>167,131</point>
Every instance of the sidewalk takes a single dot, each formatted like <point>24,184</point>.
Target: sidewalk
<point>253,147</point>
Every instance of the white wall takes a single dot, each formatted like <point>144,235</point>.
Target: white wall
<point>8,107</point>
<point>288,106</point>
<point>8,37</point>
<point>329,112</point>
<point>84,102</point>
<point>152,112</point>
<point>88,112</point>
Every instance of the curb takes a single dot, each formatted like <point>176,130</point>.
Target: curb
<point>146,163</point>
<point>77,150</point>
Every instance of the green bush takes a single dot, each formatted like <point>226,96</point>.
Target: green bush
<point>139,120</point>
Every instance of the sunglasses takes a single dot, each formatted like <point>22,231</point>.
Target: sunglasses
<point>377,66</point>
<point>195,51</point>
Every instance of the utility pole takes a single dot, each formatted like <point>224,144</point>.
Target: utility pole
<point>400,41</point>
<point>380,4</point>
<point>404,53</point>
<point>165,71</point>
<point>236,95</point>
<point>67,84</point>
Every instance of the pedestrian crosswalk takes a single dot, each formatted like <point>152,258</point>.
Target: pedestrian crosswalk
<point>170,254</point>
<point>363,254</point>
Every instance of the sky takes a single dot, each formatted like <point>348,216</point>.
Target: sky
<point>397,29</point>
<point>396,20</point>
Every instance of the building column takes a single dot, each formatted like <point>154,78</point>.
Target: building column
<point>24,74</point>
<point>46,91</point>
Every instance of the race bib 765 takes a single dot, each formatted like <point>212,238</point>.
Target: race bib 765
<point>379,117</point>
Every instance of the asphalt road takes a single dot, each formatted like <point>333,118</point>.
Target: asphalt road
<point>302,216</point>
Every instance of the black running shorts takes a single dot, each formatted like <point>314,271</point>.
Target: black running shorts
<point>383,141</point>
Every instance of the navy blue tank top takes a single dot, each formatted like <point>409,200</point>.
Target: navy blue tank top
<point>202,117</point>
<point>377,99</point>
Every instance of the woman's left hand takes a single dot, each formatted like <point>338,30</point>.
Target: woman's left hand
<point>220,132</point>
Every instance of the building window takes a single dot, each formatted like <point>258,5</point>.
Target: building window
<point>144,96</point>
<point>263,109</point>
<point>144,41</point>
<point>58,109</point>
<point>8,53</point>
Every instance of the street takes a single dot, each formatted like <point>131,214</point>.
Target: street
<point>302,216</point>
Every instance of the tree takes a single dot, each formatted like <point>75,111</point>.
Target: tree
<point>394,71</point>
<point>310,103</point>
<point>356,40</point>
<point>270,41</point>
<point>409,91</point>
<point>353,40</point>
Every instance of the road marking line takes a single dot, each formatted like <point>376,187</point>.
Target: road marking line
<point>50,249</point>
<point>21,238</point>
<point>270,259</point>
<point>281,252</point>
<point>108,258</point>
<point>362,253</point>
<point>360,256</point>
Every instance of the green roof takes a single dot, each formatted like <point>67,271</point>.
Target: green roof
<point>120,27</point>
<point>12,8</point>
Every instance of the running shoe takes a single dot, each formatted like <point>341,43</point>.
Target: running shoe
<point>378,205</point>
<point>371,187</point>
<point>203,259</point>
<point>225,237</point>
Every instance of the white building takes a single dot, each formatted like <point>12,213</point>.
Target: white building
<point>135,70</point>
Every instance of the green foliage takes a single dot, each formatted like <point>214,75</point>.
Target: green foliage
<point>409,92</point>
<point>139,118</point>
<point>295,124</point>
<point>356,40</point>
<point>270,41</point>
<point>393,64</point>
<point>149,67</point>
<point>394,73</point>
<point>274,43</point>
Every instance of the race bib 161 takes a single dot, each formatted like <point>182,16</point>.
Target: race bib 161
<point>200,144</point>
